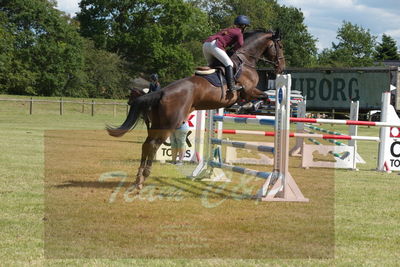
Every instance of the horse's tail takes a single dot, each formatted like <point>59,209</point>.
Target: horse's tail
<point>138,107</point>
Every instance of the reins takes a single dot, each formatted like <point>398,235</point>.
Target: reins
<point>262,58</point>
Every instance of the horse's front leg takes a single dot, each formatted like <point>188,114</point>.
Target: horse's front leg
<point>254,93</point>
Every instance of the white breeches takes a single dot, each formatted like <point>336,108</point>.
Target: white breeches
<point>212,51</point>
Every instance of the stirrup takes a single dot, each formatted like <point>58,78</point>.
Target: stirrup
<point>235,88</point>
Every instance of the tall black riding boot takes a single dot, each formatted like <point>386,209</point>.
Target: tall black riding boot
<point>230,80</point>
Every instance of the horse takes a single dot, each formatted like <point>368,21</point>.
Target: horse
<point>171,105</point>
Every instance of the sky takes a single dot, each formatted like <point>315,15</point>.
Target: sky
<point>324,17</point>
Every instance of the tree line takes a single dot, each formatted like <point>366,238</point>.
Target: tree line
<point>45,52</point>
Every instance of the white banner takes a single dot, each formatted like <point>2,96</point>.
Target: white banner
<point>389,147</point>
<point>392,154</point>
<point>164,153</point>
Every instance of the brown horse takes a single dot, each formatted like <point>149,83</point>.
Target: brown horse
<point>172,105</point>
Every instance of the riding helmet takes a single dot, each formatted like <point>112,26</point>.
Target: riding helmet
<point>242,20</point>
<point>154,77</point>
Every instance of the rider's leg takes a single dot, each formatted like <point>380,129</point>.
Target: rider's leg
<point>207,52</point>
<point>230,80</point>
<point>221,55</point>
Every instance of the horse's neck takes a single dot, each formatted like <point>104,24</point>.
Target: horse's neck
<point>254,50</point>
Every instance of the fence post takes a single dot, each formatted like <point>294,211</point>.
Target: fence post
<point>31,106</point>
<point>61,106</point>
<point>83,105</point>
<point>92,107</point>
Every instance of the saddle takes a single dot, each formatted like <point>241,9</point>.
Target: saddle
<point>216,73</point>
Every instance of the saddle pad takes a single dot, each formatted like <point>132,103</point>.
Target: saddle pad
<point>213,78</point>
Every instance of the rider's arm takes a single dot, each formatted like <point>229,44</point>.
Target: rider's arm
<point>239,40</point>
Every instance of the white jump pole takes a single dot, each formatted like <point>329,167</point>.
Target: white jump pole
<point>199,137</point>
<point>203,142</point>
<point>283,186</point>
<point>384,133</point>
<point>353,130</point>
<point>297,150</point>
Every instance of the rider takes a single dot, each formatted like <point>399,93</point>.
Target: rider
<point>154,83</point>
<point>215,46</point>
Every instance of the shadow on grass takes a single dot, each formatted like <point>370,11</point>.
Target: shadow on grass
<point>220,190</point>
<point>190,188</point>
<point>88,184</point>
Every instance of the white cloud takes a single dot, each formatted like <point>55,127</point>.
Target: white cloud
<point>324,37</point>
<point>319,3</point>
<point>68,6</point>
<point>395,34</point>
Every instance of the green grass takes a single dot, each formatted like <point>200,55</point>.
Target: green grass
<point>367,204</point>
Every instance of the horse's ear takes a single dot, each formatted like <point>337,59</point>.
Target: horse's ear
<point>277,34</point>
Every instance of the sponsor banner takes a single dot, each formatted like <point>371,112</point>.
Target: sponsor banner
<point>393,157</point>
<point>164,153</point>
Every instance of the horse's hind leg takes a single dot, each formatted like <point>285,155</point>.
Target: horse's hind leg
<point>154,145</point>
<point>139,176</point>
<point>149,149</point>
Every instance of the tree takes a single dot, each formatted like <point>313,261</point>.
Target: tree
<point>354,49</point>
<point>46,49</point>
<point>387,50</point>
<point>299,44</point>
<point>106,74</point>
<point>6,53</point>
<point>222,13</point>
<point>216,11</point>
<point>153,36</point>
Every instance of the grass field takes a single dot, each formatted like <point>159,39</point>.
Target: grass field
<point>40,157</point>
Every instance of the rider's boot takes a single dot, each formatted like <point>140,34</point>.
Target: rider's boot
<point>230,80</point>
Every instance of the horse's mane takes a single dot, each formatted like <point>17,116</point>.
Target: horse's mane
<point>253,33</point>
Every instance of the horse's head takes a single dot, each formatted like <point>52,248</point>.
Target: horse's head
<point>135,93</point>
<point>266,46</point>
<point>274,53</point>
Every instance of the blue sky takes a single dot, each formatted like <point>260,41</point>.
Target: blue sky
<point>324,17</point>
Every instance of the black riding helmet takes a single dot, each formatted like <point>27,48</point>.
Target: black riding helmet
<point>154,77</point>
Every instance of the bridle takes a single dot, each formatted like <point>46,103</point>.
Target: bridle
<point>262,58</point>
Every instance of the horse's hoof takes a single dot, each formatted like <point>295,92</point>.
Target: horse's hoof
<point>139,186</point>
